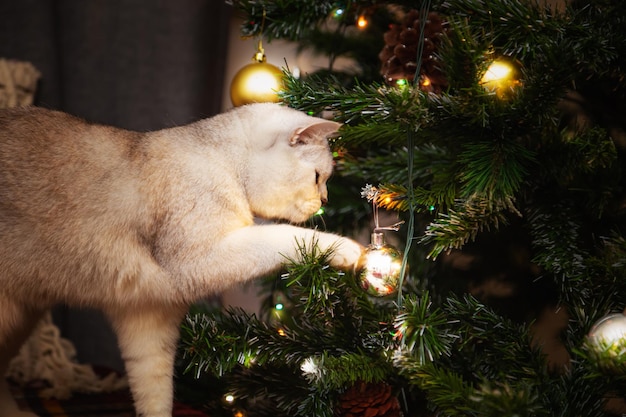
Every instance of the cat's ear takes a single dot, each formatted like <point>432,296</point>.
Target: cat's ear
<point>314,132</point>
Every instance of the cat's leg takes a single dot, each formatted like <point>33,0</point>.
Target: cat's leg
<point>148,337</point>
<point>16,324</point>
<point>254,251</point>
<point>271,245</point>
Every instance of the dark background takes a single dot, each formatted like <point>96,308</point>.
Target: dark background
<point>136,64</point>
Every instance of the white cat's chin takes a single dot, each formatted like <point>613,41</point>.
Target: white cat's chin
<point>304,211</point>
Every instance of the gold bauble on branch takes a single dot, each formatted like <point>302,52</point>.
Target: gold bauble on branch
<point>257,82</point>
<point>502,77</point>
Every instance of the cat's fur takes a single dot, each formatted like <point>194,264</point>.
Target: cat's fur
<point>141,225</point>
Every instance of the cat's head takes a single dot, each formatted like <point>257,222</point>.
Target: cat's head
<point>290,162</point>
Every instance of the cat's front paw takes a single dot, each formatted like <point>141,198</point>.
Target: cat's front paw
<point>346,254</point>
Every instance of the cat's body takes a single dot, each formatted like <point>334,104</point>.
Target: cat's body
<point>141,225</point>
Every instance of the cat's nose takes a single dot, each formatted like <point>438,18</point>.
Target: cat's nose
<point>324,200</point>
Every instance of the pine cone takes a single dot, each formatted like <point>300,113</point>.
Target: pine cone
<point>399,55</point>
<point>368,400</point>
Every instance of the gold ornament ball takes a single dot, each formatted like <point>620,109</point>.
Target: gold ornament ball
<point>257,82</point>
<point>379,268</point>
<point>502,78</point>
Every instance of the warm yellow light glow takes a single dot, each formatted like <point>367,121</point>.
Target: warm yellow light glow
<point>229,398</point>
<point>497,71</point>
<point>361,22</point>
<point>282,332</point>
<point>501,78</point>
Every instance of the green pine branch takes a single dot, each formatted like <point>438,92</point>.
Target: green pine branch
<point>332,338</point>
<point>284,19</point>
<point>423,329</point>
<point>463,222</point>
<point>477,162</point>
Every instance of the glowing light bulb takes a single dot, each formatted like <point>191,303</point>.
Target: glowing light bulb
<point>229,398</point>
<point>361,22</point>
<point>279,306</point>
<point>402,82</point>
<point>498,70</point>
<point>501,78</point>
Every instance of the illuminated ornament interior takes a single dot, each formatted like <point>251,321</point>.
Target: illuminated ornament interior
<point>607,341</point>
<point>502,77</point>
<point>257,82</point>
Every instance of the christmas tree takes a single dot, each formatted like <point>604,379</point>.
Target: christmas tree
<point>511,181</point>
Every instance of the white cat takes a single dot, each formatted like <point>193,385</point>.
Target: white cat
<point>141,225</point>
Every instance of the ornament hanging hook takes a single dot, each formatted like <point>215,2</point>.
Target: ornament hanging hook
<point>370,193</point>
<point>259,55</point>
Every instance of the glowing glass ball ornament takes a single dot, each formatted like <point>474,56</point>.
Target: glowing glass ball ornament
<point>607,342</point>
<point>379,269</point>
<point>502,77</point>
<point>257,82</point>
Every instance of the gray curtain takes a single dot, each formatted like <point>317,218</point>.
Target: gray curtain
<point>136,64</point>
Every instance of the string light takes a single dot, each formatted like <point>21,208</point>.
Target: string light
<point>361,22</point>
<point>402,82</point>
